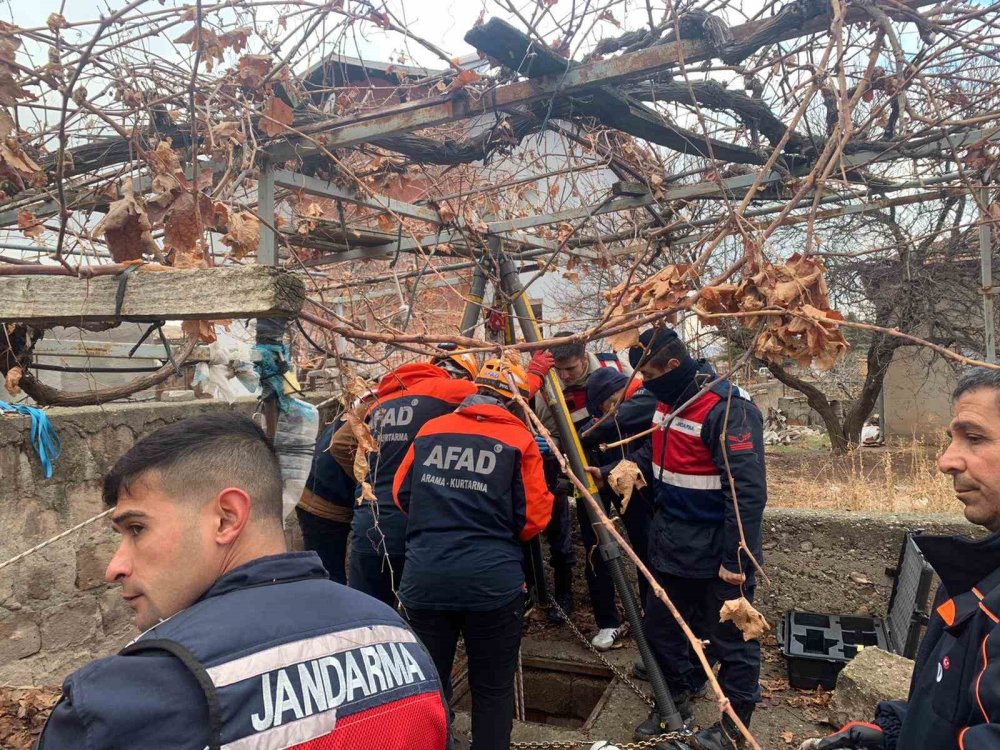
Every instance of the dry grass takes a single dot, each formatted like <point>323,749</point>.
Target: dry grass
<point>899,478</point>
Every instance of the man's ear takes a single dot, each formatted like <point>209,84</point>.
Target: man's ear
<point>673,364</point>
<point>233,513</point>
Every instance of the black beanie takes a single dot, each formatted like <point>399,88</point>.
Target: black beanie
<point>602,385</point>
<point>651,340</point>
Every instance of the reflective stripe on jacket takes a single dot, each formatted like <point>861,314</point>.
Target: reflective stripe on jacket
<point>694,530</point>
<point>273,656</point>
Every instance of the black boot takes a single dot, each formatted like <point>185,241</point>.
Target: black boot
<point>724,734</point>
<point>563,592</point>
<point>653,726</point>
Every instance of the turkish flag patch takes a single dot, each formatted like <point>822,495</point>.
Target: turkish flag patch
<point>740,442</point>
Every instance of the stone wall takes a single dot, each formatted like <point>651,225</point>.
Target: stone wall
<point>56,612</point>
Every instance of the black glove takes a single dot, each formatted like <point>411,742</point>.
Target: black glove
<point>853,736</point>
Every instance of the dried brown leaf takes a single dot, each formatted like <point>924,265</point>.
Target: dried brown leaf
<point>7,126</point>
<point>236,39</point>
<point>126,228</point>
<point>251,70</point>
<point>163,160</point>
<point>203,329</point>
<point>243,236</point>
<point>624,479</point>
<point>23,165</point>
<point>29,224</point>
<point>227,131</point>
<point>365,445</point>
<point>463,79</point>
<point>184,228</point>
<point>788,737</point>
<point>13,380</point>
<point>211,46</point>
<point>743,615</point>
<point>276,117</point>
<point>10,89</point>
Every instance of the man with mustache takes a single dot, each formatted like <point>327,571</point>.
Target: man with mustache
<point>954,701</point>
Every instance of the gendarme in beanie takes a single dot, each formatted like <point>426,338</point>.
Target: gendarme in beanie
<point>651,340</point>
<point>602,385</point>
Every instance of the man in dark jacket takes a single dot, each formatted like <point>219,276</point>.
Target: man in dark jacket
<point>609,390</point>
<point>326,507</point>
<point>954,701</point>
<point>694,540</point>
<point>245,644</point>
<point>473,487</point>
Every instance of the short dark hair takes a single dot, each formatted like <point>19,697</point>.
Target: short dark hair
<point>205,454</point>
<point>562,352</point>
<point>976,378</point>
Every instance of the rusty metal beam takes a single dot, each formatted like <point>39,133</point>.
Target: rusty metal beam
<point>509,228</point>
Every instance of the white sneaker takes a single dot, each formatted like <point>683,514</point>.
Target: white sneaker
<point>605,639</point>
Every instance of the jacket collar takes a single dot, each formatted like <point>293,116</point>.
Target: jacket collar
<point>961,562</point>
<point>289,566</point>
<point>486,408</point>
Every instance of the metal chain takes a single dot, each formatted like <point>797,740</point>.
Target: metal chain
<point>615,670</point>
<point>652,742</point>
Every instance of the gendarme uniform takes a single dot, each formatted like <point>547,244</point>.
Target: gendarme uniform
<point>273,656</point>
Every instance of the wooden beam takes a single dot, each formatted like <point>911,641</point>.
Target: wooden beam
<point>630,66</point>
<point>183,294</point>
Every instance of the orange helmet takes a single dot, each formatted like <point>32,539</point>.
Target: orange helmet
<point>494,375</point>
<point>456,362</point>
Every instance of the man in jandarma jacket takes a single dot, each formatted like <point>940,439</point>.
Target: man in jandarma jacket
<point>954,700</point>
<point>694,537</point>
<point>245,645</point>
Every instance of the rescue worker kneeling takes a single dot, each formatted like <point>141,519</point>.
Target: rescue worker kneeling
<point>245,645</point>
<point>473,486</point>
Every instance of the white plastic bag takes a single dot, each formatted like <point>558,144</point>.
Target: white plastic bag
<point>294,440</point>
<point>228,355</point>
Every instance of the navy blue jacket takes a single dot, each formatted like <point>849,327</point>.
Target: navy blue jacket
<point>285,657</point>
<point>329,492</point>
<point>694,529</point>
<point>408,397</point>
<point>633,415</point>
<point>954,700</point>
<point>473,485</point>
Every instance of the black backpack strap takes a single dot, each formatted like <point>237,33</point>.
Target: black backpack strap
<point>197,669</point>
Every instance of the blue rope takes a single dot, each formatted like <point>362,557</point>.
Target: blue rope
<point>271,369</point>
<point>43,435</point>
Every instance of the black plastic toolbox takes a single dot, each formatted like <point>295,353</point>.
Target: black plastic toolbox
<point>817,646</point>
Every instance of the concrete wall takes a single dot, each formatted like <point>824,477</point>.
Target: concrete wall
<point>56,612</point>
<point>773,394</point>
<point>917,388</point>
